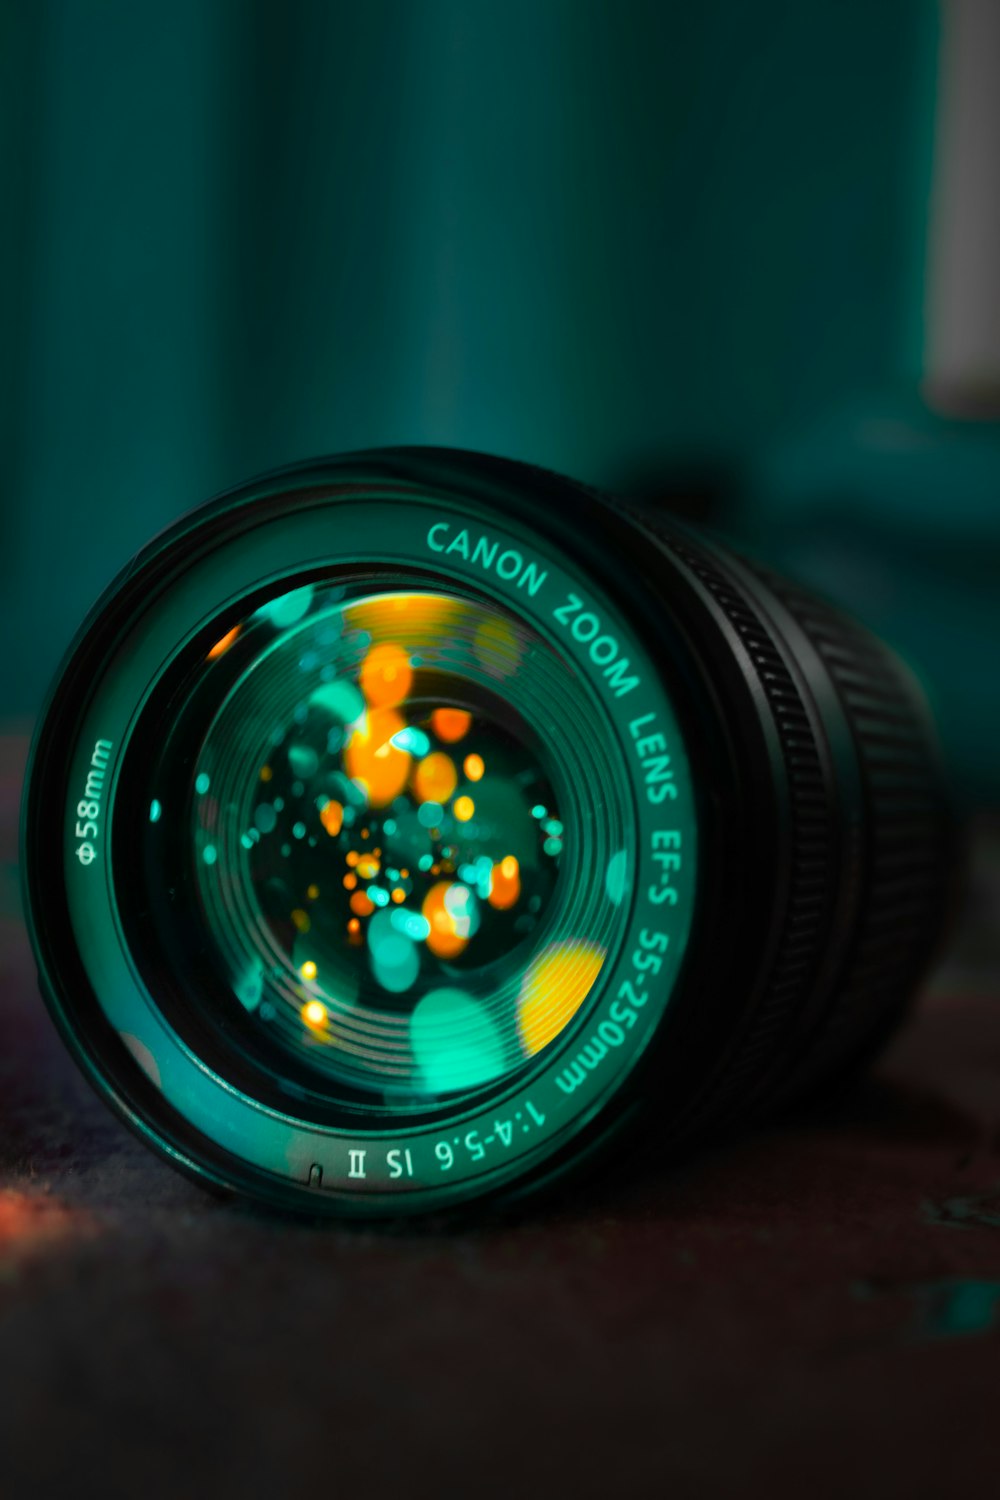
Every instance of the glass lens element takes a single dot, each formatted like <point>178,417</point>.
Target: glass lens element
<point>368,799</point>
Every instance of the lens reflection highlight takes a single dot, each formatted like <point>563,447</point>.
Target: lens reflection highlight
<point>382,810</point>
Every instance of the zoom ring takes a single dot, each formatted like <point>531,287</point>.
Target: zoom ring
<point>910,847</point>
<point>749,1068</point>
<point>897,867</point>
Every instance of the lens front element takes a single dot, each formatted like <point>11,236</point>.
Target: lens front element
<point>391,869</point>
<point>379,792</point>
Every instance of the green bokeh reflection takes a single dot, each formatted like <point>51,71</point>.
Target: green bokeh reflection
<point>380,790</point>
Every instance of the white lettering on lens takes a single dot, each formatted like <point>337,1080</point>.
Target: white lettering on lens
<point>610,1033</point>
<point>667,855</point>
<point>588,1058</point>
<point>656,770</point>
<point>602,649</point>
<point>357,1168</point>
<point>399,1163</point>
<point>88,809</point>
<point>571,1078</point>
<point>623,1014</point>
<point>508,565</point>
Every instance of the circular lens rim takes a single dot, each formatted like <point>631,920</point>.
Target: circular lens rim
<point>153,951</point>
<point>335,482</point>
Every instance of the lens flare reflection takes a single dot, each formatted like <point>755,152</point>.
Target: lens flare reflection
<point>381,810</point>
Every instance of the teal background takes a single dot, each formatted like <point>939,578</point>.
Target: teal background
<point>657,246</point>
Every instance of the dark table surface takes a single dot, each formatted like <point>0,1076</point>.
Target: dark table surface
<point>813,1310</point>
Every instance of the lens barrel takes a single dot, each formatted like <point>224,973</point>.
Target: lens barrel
<point>402,826</point>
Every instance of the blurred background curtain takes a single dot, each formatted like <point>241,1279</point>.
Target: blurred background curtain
<point>657,246</point>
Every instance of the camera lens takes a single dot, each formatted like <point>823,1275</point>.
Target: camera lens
<point>360,800</point>
<point>403,826</point>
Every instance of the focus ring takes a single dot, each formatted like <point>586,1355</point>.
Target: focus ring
<point>909,842</point>
<point>799,946</point>
<point>893,860</point>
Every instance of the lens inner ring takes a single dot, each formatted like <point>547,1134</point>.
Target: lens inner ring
<point>291,714</point>
<point>192,1107</point>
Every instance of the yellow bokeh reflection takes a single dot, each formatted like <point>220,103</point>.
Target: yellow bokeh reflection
<point>443,939</point>
<point>554,987</point>
<point>332,817</point>
<point>373,762</point>
<point>496,647</point>
<point>386,675</point>
<point>505,883</point>
<point>435,777</point>
<point>222,646</point>
<point>409,617</point>
<point>450,724</point>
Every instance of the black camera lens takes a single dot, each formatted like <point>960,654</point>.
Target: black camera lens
<point>402,826</point>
